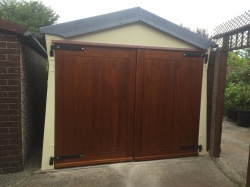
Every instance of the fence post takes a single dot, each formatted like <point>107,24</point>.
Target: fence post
<point>220,69</point>
<point>248,171</point>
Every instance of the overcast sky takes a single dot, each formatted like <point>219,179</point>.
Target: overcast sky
<point>191,13</point>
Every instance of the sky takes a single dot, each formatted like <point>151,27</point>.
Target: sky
<point>190,13</point>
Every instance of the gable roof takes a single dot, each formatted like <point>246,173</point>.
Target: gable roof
<point>119,18</point>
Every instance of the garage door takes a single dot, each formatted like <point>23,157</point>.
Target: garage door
<point>116,105</point>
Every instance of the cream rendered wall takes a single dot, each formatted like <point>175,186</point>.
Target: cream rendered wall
<point>203,113</point>
<point>138,34</point>
<point>134,34</point>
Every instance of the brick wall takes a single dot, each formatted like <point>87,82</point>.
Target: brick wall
<point>23,87</point>
<point>10,104</point>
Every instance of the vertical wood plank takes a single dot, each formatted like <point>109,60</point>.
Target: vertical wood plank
<point>95,92</point>
<point>248,171</point>
<point>218,102</point>
<point>168,94</point>
<point>210,84</point>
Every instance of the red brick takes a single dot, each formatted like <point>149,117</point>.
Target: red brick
<point>9,51</point>
<point>16,152</point>
<point>4,153</point>
<point>14,94</point>
<point>9,88</point>
<point>4,164</point>
<point>9,76</point>
<point>3,57</point>
<point>3,131</point>
<point>3,119</point>
<point>15,141</point>
<point>14,106</point>
<point>3,82</point>
<point>3,94</point>
<point>9,64</point>
<point>12,130</point>
<point>4,142</point>
<point>10,136</point>
<point>17,163</point>
<point>13,58</point>
<point>9,124</point>
<point>3,69</point>
<point>14,118</point>
<point>4,106</point>
<point>13,70</point>
<point>13,82</point>
<point>14,100</point>
<point>3,44</point>
<point>11,158</point>
<point>8,38</point>
<point>13,45</point>
<point>9,112</point>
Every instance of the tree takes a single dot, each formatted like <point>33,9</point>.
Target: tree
<point>32,14</point>
<point>200,31</point>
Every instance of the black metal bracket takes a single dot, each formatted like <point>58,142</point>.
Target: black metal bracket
<point>196,55</point>
<point>52,159</point>
<point>199,147</point>
<point>64,47</point>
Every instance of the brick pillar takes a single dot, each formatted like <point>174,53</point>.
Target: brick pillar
<point>10,104</point>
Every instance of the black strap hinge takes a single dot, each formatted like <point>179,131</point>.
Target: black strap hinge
<point>199,147</point>
<point>196,55</point>
<point>64,47</point>
<point>52,159</point>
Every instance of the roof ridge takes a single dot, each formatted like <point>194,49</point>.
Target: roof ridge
<point>123,17</point>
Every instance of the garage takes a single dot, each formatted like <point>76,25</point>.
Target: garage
<point>124,86</point>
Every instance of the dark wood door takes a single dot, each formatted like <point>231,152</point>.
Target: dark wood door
<point>168,94</point>
<point>95,91</point>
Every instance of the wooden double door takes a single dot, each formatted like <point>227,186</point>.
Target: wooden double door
<point>115,105</point>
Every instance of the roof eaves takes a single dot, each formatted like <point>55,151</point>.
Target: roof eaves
<point>119,18</point>
<point>93,24</point>
<point>13,27</point>
<point>175,30</point>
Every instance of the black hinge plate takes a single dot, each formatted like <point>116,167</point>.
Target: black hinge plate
<point>65,47</point>
<point>196,55</point>
<point>52,159</point>
<point>199,147</point>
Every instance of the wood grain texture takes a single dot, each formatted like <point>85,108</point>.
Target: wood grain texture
<point>168,94</point>
<point>220,70</point>
<point>115,104</point>
<point>95,104</point>
<point>210,84</point>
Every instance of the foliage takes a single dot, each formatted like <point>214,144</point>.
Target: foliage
<point>237,95</point>
<point>237,91</point>
<point>201,31</point>
<point>32,14</point>
<point>237,59</point>
<point>244,53</point>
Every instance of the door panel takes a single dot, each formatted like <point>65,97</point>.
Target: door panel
<point>95,105</point>
<point>116,105</point>
<point>168,93</point>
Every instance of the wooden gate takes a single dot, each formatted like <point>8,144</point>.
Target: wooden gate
<point>94,106</point>
<point>168,104</point>
<point>116,105</point>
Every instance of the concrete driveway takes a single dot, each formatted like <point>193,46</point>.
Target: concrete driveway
<point>227,171</point>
